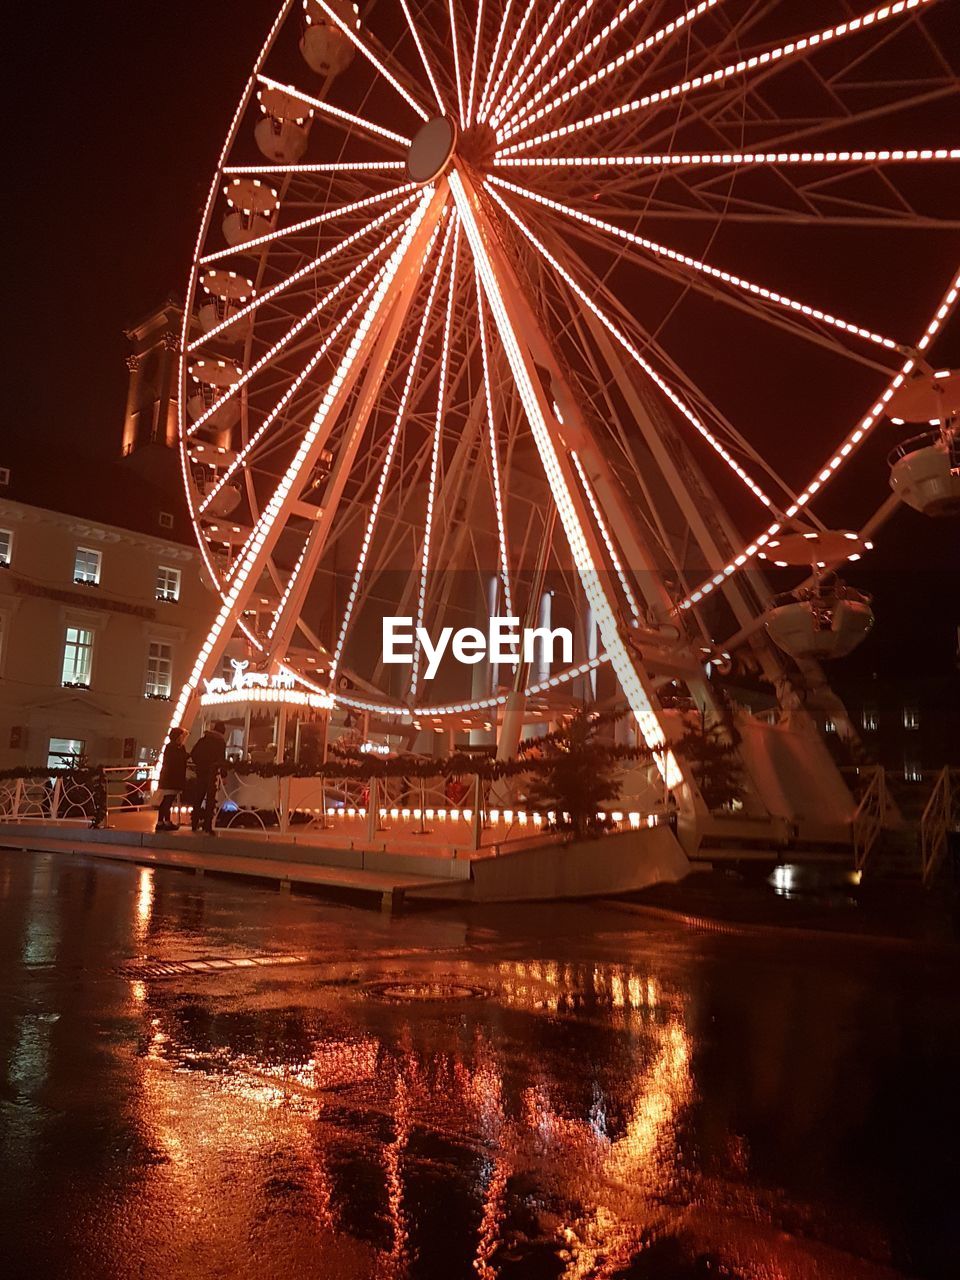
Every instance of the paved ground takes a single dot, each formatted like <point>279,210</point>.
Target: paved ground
<point>206,1079</point>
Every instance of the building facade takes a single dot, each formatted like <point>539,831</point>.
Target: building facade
<point>102,603</point>
<point>98,627</point>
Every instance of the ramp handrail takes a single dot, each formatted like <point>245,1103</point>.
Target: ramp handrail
<point>941,814</point>
<point>870,817</point>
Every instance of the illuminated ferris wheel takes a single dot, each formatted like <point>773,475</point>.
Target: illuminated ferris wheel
<point>581,312</point>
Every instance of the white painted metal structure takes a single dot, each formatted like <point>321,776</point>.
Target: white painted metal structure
<point>562,294</point>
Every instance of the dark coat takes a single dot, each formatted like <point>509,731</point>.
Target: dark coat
<point>173,769</point>
<point>209,752</point>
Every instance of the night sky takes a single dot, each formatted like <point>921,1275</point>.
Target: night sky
<point>115,117</point>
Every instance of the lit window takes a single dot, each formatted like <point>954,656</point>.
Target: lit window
<point>911,717</point>
<point>159,670</point>
<point>871,718</point>
<point>6,547</point>
<point>912,771</point>
<point>78,657</point>
<point>168,584</point>
<point>86,567</point>
<point>65,753</point>
<point>830,726</point>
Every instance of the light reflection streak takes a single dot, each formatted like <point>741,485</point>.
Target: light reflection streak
<point>146,890</point>
<point>571,1135</point>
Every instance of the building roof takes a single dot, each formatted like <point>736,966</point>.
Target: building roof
<point>131,493</point>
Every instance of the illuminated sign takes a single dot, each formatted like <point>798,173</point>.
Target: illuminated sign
<point>260,686</point>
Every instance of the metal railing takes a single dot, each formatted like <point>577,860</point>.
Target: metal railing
<point>940,816</point>
<point>128,788</point>
<point>68,799</point>
<point>870,817</point>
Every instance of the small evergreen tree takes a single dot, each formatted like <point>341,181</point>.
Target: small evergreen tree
<point>574,772</point>
<point>713,761</point>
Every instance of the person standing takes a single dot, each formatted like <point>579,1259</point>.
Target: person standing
<point>208,755</point>
<point>173,777</point>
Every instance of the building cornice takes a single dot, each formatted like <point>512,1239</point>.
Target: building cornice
<point>25,513</point>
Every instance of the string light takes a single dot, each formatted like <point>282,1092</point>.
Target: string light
<point>272,352</point>
<point>635,355</point>
<point>423,57</point>
<point>504,17</point>
<point>372,58</point>
<point>302,272</point>
<point>451,8</point>
<point>494,454</point>
<point>855,437</point>
<point>391,449</point>
<point>684,260</point>
<point>434,462</point>
<point>315,221</point>
<point>705,159</point>
<point>304,373</point>
<point>310,365</point>
<point>512,90</point>
<point>620,656</point>
<point>604,533</point>
<point>782,53</point>
<point>291,582</point>
<point>337,112</point>
<point>283,697</point>
<point>334,166</point>
<point>531,4</point>
<point>473,64</point>
<point>526,116</point>
<point>260,546</point>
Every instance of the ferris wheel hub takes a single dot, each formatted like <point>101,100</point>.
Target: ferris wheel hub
<point>432,149</point>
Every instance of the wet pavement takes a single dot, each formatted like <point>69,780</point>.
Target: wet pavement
<point>206,1079</point>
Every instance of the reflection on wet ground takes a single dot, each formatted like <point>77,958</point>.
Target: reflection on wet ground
<point>565,1091</point>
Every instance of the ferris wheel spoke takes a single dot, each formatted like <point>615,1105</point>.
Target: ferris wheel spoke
<point>455,44</point>
<point>246,452</point>
<point>478,28</point>
<point>694,395</point>
<point>341,117</point>
<point>334,166</point>
<point>266,531</point>
<point>435,460</point>
<point>584,546</point>
<point>529,114</point>
<point>607,539</point>
<point>491,68</point>
<point>833,465</point>
<point>640,361</point>
<point>295,329</point>
<point>491,97</point>
<point>362,369</point>
<point>398,421</point>
<point>494,451</point>
<point>372,58</point>
<point>702,268</point>
<point>769,58</point>
<point>425,61</point>
<point>282,233</point>
<point>733,159</point>
<point>519,84</point>
<point>327,298</point>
